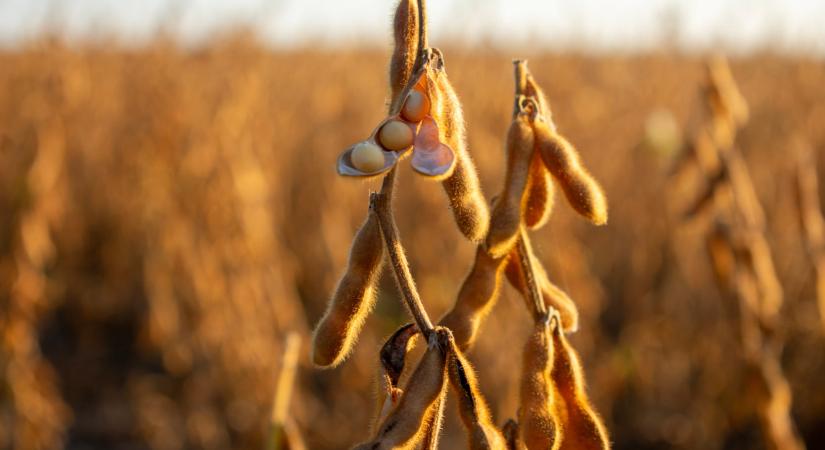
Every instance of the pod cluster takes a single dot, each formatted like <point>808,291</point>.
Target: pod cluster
<point>426,123</point>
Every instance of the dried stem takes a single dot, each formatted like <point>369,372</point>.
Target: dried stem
<point>283,390</point>
<point>526,262</point>
<point>380,205</point>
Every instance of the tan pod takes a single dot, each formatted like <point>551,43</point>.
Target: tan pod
<point>506,218</point>
<point>353,299</point>
<point>583,428</point>
<point>581,190</point>
<point>538,424</point>
<point>476,298</point>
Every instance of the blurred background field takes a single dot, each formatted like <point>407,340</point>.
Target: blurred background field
<point>168,215</point>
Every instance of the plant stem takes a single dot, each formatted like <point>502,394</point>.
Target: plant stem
<point>381,206</point>
<point>526,263</point>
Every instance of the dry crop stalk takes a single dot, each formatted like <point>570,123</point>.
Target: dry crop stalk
<point>741,257</point>
<point>811,220</point>
<point>284,434</point>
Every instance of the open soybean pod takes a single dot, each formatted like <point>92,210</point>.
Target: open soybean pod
<point>552,295</point>
<point>353,299</point>
<point>462,186</point>
<point>582,427</point>
<point>582,191</point>
<point>406,426</point>
<point>476,298</point>
<point>506,218</point>
<point>379,153</point>
<point>405,32</point>
<point>539,426</point>
<point>475,414</point>
<point>540,190</point>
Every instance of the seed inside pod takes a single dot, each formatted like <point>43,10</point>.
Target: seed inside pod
<point>367,157</point>
<point>416,106</point>
<point>395,135</point>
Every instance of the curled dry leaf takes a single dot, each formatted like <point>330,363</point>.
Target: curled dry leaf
<point>482,433</point>
<point>475,299</point>
<point>539,426</point>
<point>353,299</point>
<point>393,356</point>
<point>405,426</point>
<point>506,218</point>
<point>582,191</point>
<point>582,427</point>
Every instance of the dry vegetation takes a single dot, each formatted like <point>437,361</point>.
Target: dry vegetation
<point>168,217</point>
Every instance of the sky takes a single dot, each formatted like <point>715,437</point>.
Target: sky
<point>601,25</point>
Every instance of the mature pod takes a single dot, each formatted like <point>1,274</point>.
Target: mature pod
<point>406,425</point>
<point>540,194</point>
<point>476,298</point>
<point>338,329</point>
<point>553,296</point>
<point>581,190</point>
<point>475,414</point>
<point>538,425</point>
<point>462,186</point>
<point>405,31</point>
<point>582,427</point>
<point>540,190</point>
<point>506,219</point>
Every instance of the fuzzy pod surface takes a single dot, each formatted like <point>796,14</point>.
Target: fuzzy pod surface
<point>506,218</point>
<point>582,191</point>
<point>353,299</point>
<point>475,299</point>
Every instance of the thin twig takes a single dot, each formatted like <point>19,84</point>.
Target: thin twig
<point>422,26</point>
<point>526,262</point>
<point>283,390</point>
<point>381,206</point>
